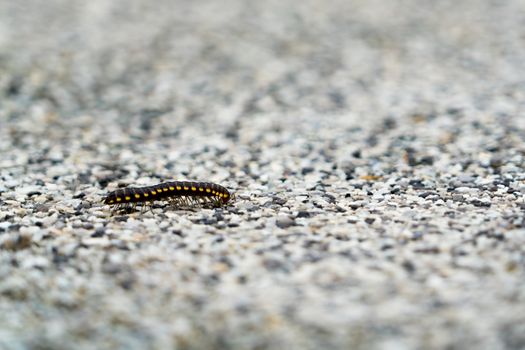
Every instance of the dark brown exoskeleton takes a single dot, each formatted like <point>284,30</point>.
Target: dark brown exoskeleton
<point>178,193</point>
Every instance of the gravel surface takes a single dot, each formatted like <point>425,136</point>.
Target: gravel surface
<point>377,150</point>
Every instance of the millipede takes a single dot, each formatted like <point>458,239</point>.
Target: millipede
<point>177,193</point>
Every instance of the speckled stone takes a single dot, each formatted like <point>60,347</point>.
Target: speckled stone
<point>376,150</point>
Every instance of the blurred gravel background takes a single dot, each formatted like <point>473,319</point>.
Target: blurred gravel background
<point>376,147</point>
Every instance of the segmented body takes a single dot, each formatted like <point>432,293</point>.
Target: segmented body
<point>179,193</point>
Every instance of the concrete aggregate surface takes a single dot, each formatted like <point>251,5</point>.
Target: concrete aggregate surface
<point>376,148</point>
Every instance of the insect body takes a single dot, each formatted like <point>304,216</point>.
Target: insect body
<point>176,192</point>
